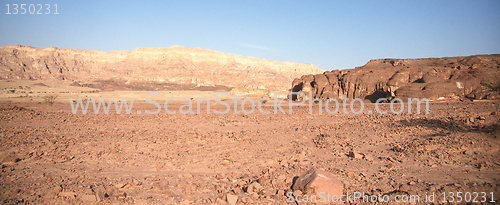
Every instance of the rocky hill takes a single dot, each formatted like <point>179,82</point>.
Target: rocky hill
<point>473,77</point>
<point>175,67</point>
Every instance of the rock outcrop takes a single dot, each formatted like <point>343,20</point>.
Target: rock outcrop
<point>473,77</point>
<point>143,67</point>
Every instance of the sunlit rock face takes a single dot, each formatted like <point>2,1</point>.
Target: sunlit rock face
<point>173,65</point>
<point>473,77</point>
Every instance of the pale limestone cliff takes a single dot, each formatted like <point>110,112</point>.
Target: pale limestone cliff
<point>174,65</point>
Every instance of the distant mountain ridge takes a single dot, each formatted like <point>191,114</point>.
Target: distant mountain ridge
<point>174,65</point>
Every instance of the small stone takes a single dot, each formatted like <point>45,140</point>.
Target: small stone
<point>10,159</point>
<point>376,191</point>
<point>398,148</point>
<point>236,190</point>
<point>351,175</point>
<point>255,195</point>
<point>163,184</point>
<point>67,194</point>
<point>481,118</point>
<point>249,189</point>
<point>231,199</point>
<point>256,186</point>
<point>253,187</point>
<point>88,198</point>
<point>100,194</point>
<point>121,185</point>
<point>262,180</point>
<point>52,192</point>
<point>170,193</point>
<point>404,188</point>
<point>147,187</point>
<point>136,182</point>
<point>355,155</point>
<point>368,157</point>
<point>434,187</point>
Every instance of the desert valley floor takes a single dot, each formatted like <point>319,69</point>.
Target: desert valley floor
<point>51,156</point>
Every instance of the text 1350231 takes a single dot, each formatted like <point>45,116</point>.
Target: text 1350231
<point>36,9</point>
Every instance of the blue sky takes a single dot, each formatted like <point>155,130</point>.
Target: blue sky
<point>329,34</point>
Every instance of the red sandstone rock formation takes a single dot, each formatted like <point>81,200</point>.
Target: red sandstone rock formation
<point>474,77</point>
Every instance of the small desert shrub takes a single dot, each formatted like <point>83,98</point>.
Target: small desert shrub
<point>50,99</point>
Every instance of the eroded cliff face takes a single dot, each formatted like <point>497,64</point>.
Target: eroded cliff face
<point>473,77</point>
<point>173,65</point>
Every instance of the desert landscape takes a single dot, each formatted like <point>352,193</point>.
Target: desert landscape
<point>51,156</point>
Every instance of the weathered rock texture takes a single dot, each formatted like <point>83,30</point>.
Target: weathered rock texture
<point>473,77</point>
<point>316,182</point>
<point>145,66</point>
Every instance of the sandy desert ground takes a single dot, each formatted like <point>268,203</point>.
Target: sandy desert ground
<point>51,156</point>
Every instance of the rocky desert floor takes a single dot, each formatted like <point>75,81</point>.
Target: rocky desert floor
<point>51,156</point>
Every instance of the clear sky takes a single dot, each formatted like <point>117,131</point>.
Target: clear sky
<point>329,34</point>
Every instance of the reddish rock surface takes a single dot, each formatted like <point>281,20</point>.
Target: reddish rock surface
<point>61,158</point>
<point>473,77</point>
<point>316,182</point>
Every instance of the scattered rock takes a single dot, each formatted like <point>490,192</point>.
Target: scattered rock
<point>67,194</point>
<point>136,182</point>
<point>236,190</point>
<point>249,189</point>
<point>398,148</point>
<point>355,155</point>
<point>100,193</point>
<point>231,199</point>
<point>368,157</point>
<point>10,159</point>
<point>163,184</point>
<point>254,195</point>
<point>88,198</point>
<point>471,119</point>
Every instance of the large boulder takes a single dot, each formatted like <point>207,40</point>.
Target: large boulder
<point>316,182</point>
